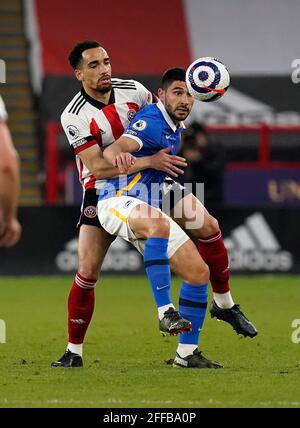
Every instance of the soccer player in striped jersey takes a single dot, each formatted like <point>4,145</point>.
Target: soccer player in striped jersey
<point>95,118</point>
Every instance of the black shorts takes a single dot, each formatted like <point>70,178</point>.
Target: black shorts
<point>172,193</point>
<point>88,214</point>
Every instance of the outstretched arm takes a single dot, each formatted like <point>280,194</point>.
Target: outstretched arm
<point>10,228</point>
<point>119,154</point>
<point>101,168</point>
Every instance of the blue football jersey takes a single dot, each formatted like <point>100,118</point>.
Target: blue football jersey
<point>154,130</point>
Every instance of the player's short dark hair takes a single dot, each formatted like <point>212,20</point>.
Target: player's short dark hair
<point>75,56</point>
<point>171,75</point>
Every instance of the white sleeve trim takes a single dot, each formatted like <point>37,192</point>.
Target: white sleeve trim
<point>137,139</point>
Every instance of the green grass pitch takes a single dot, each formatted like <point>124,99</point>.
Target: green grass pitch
<point>124,352</point>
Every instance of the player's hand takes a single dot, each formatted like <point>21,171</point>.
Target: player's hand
<point>11,235</point>
<point>162,161</point>
<point>124,161</point>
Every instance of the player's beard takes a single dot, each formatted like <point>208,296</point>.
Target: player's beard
<point>103,84</point>
<point>103,89</point>
<point>175,115</point>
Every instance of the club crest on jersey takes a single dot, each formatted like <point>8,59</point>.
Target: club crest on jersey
<point>130,114</point>
<point>73,132</point>
<point>140,125</point>
<point>90,211</point>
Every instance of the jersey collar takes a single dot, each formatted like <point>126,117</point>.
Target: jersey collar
<point>98,104</point>
<point>166,116</point>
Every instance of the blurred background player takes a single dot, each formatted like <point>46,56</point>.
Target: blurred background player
<point>95,117</point>
<point>206,162</point>
<point>10,228</point>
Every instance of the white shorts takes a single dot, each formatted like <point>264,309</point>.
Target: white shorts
<point>114,212</point>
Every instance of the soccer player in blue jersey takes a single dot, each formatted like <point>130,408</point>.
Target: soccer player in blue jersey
<point>129,207</point>
<point>184,208</point>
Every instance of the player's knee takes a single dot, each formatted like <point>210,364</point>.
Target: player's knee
<point>199,274</point>
<point>159,227</point>
<point>211,226</point>
<point>89,270</point>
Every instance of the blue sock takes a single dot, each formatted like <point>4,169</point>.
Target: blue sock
<point>157,266</point>
<point>192,307</point>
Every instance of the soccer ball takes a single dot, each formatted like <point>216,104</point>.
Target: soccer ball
<point>207,79</point>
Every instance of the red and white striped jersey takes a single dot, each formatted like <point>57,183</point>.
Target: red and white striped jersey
<point>87,121</point>
<point>3,113</point>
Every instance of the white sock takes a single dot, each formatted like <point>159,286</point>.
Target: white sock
<point>163,309</point>
<point>75,349</point>
<point>184,350</point>
<point>224,301</point>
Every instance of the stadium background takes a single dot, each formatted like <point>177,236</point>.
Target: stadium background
<point>256,124</point>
